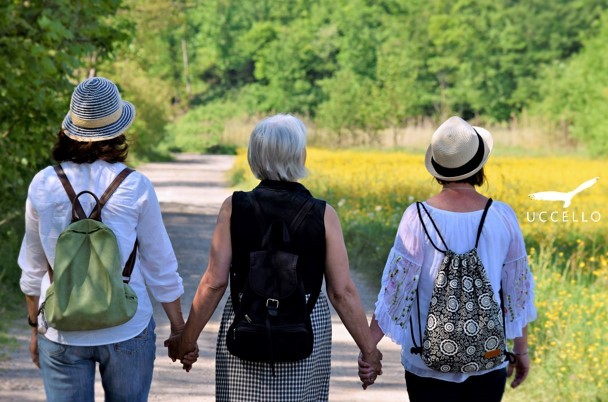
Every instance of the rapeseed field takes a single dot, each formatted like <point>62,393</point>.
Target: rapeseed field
<point>568,250</point>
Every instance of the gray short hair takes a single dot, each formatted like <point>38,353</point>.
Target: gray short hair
<point>277,149</point>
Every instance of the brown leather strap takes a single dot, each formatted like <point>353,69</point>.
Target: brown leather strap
<point>109,191</point>
<point>126,273</point>
<point>114,185</point>
<point>50,271</point>
<point>78,211</point>
<point>96,213</point>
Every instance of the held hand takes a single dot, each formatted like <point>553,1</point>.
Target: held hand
<point>521,368</point>
<point>174,341</point>
<point>187,354</point>
<point>366,372</point>
<point>173,345</point>
<point>370,366</point>
<point>375,360</point>
<point>34,348</point>
<point>189,359</point>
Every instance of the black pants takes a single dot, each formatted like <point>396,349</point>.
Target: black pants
<point>480,388</point>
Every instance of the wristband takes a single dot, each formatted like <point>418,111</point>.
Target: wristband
<point>33,324</point>
<point>521,354</point>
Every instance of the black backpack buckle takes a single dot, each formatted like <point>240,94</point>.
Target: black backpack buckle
<point>273,307</point>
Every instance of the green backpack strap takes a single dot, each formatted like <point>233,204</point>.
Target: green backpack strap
<point>78,212</point>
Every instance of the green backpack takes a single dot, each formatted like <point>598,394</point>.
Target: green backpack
<point>88,290</point>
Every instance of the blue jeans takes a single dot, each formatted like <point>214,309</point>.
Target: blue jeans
<point>126,369</point>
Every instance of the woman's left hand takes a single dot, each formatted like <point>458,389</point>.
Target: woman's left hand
<point>367,374</point>
<point>521,368</point>
<point>34,348</point>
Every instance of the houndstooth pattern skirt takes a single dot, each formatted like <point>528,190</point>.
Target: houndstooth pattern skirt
<point>304,380</point>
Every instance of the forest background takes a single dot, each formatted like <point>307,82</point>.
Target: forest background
<point>370,75</point>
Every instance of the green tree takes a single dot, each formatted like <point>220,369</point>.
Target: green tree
<point>42,45</point>
<point>45,48</point>
<point>575,93</point>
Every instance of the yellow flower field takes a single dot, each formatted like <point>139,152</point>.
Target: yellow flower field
<point>567,246</point>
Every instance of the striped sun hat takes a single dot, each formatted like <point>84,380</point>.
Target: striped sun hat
<point>97,112</point>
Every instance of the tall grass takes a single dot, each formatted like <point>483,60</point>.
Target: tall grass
<point>568,341</point>
<point>569,260</point>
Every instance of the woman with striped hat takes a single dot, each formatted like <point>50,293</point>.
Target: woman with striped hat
<point>90,150</point>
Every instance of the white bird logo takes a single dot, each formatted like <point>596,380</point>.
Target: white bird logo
<point>559,196</point>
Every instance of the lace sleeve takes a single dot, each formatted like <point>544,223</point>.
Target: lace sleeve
<point>397,294</point>
<point>517,281</point>
<point>400,280</point>
<point>518,294</point>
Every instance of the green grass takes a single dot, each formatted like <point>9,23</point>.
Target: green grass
<point>569,339</point>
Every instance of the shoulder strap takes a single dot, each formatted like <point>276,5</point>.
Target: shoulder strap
<point>418,205</point>
<point>128,270</point>
<point>483,219</point>
<point>114,185</point>
<point>301,215</point>
<point>293,228</point>
<point>416,349</point>
<point>258,212</point>
<point>295,223</point>
<point>78,212</point>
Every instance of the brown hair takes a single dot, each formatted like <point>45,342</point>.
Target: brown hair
<point>112,151</point>
<point>476,180</point>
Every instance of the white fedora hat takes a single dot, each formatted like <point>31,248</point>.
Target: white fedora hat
<point>458,150</point>
<point>97,112</point>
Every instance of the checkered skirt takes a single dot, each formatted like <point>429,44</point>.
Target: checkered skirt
<point>304,380</point>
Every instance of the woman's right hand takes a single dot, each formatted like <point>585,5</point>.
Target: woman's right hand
<point>189,359</point>
<point>370,367</point>
<point>177,349</point>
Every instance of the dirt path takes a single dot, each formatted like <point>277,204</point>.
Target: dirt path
<point>191,190</point>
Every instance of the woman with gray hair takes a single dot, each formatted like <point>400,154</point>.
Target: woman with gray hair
<point>276,155</point>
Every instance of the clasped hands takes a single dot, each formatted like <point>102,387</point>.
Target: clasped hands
<point>370,364</point>
<point>178,349</point>
<point>370,367</point>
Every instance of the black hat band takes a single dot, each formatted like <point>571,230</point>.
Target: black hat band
<point>467,167</point>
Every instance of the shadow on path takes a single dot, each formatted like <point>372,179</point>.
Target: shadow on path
<point>190,191</point>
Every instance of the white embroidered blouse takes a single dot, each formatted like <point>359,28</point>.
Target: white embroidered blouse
<point>413,263</point>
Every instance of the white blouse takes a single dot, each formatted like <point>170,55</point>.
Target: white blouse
<point>413,264</point>
<point>132,211</point>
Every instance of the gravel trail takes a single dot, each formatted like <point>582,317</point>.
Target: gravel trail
<point>191,190</point>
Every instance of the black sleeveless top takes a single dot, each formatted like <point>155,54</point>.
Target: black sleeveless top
<point>278,200</point>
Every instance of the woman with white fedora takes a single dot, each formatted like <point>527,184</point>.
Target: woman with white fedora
<point>461,220</point>
<point>91,149</point>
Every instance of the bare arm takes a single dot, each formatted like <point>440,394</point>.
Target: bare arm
<point>210,289</point>
<point>522,363</point>
<point>32,313</point>
<point>365,369</point>
<point>174,314</point>
<point>377,333</point>
<point>342,291</point>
